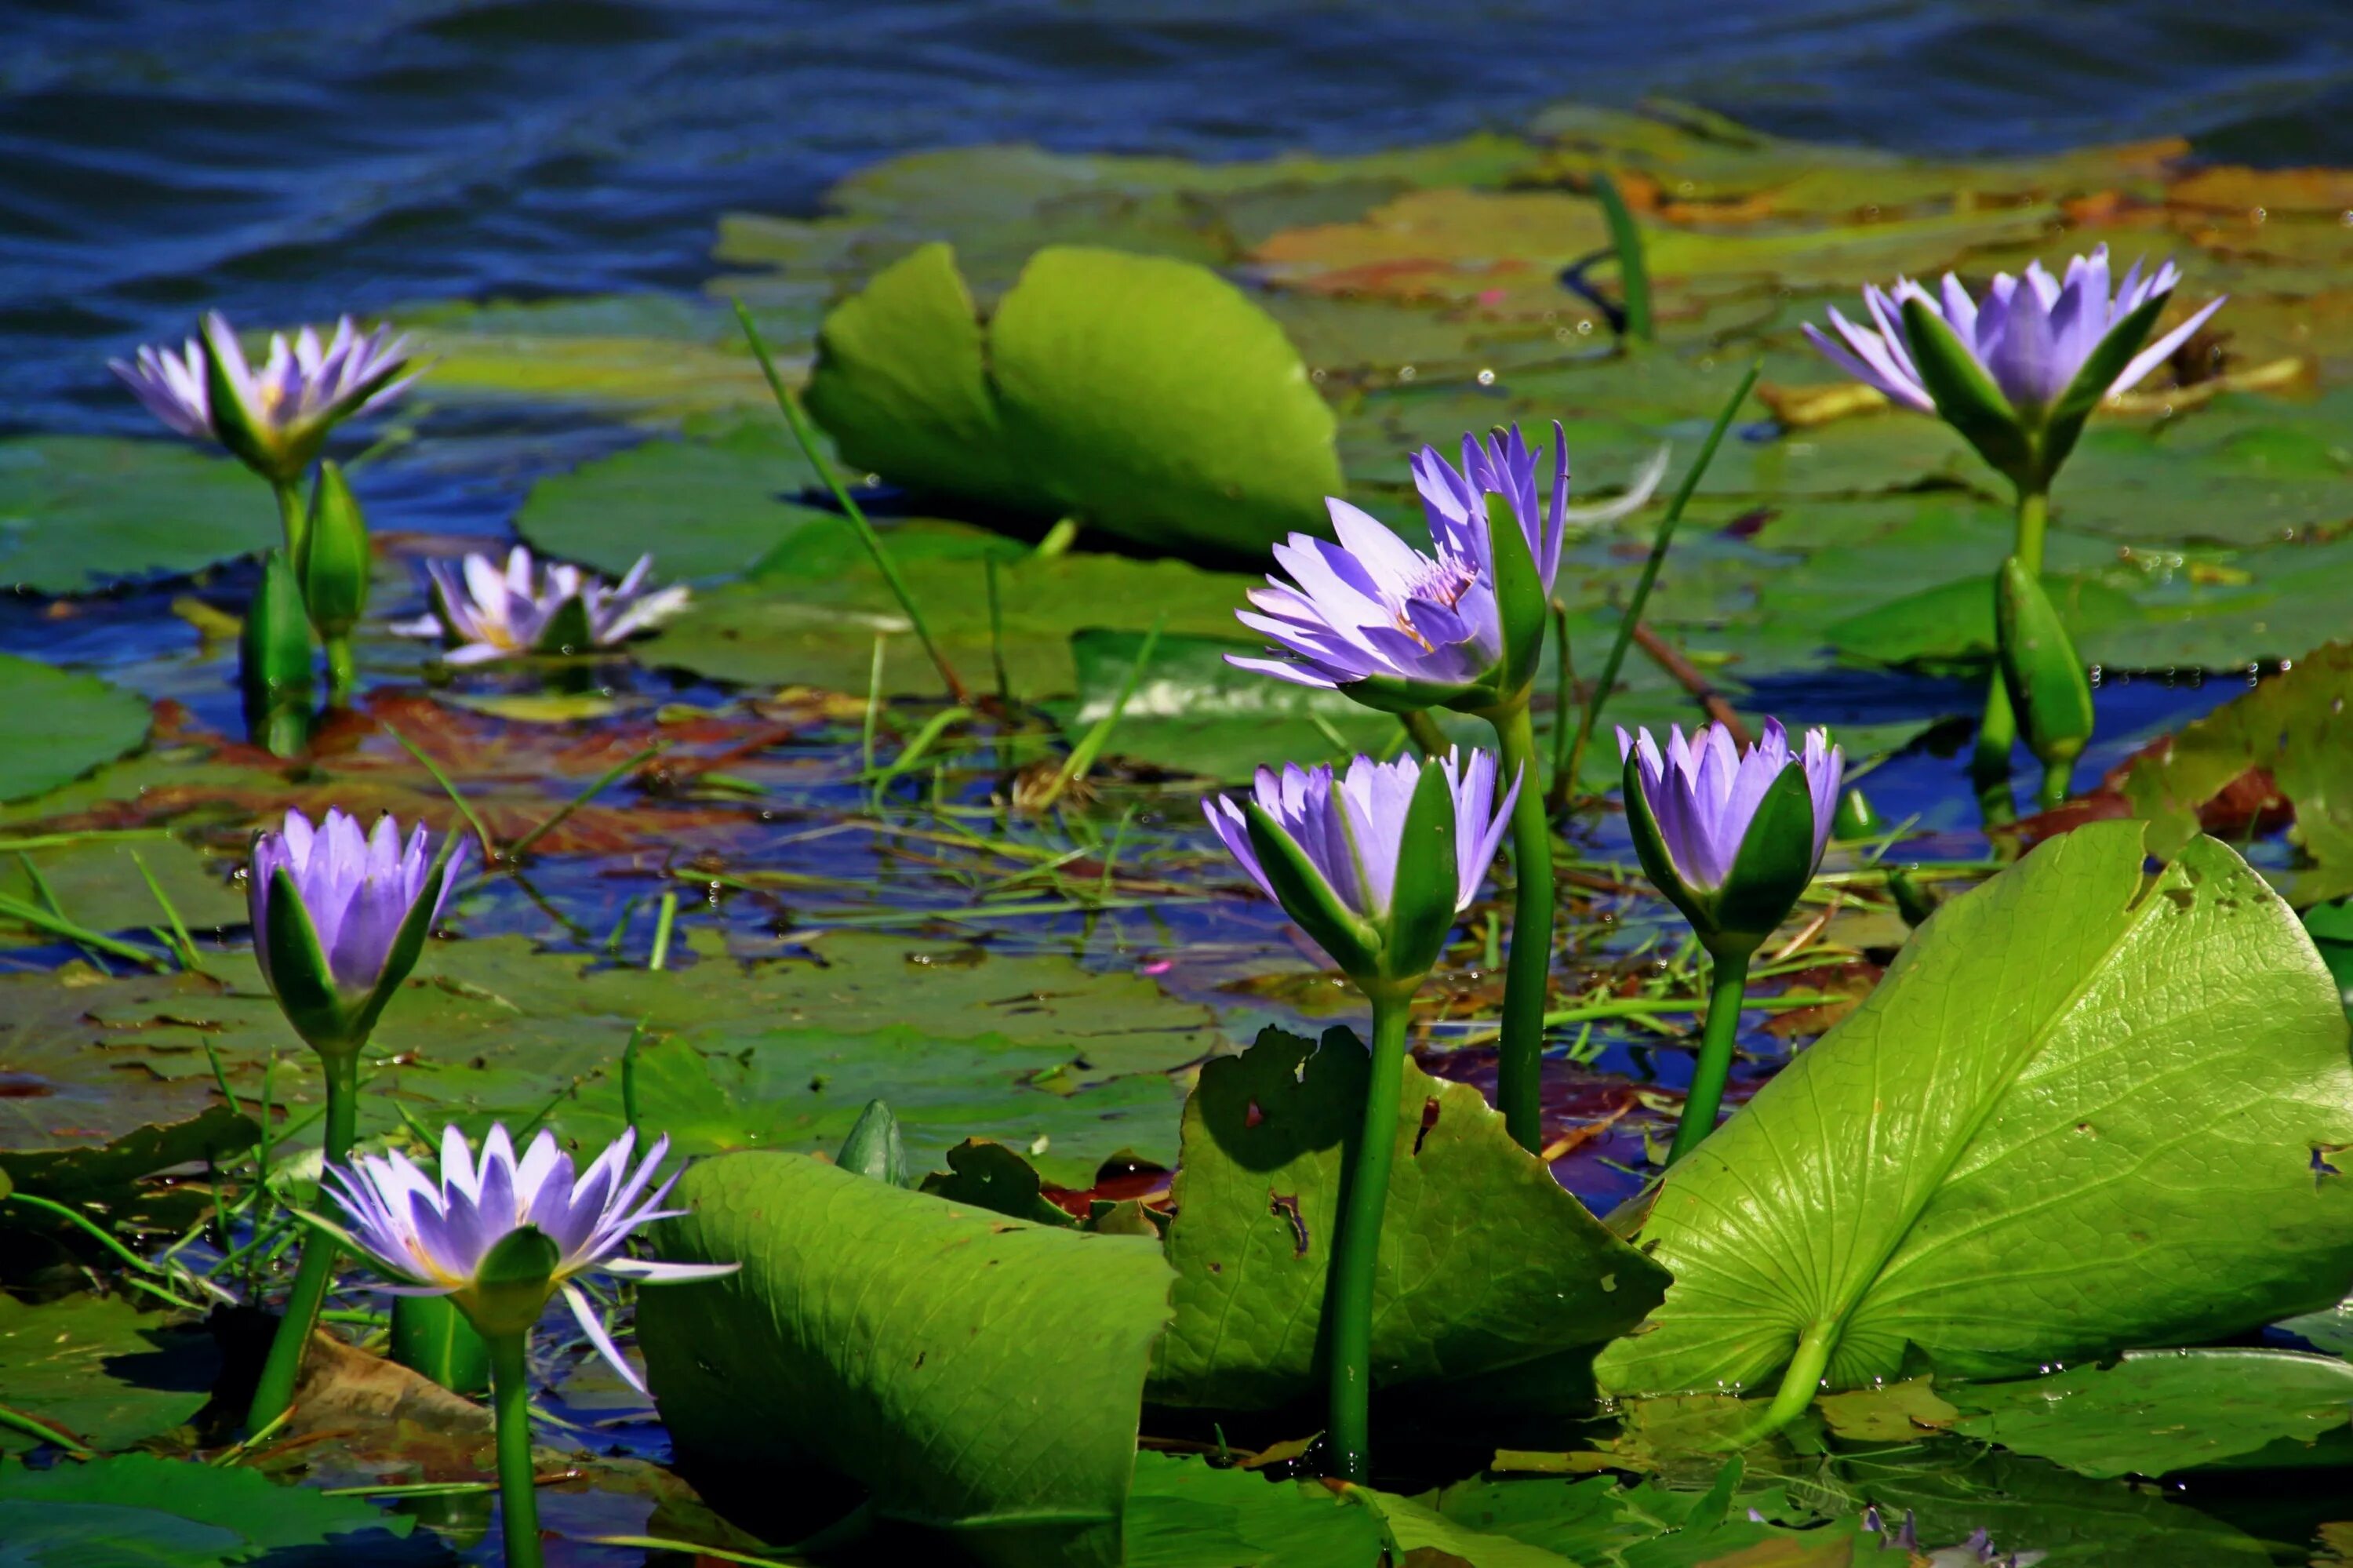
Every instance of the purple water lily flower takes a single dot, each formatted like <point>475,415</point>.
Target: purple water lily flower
<point>285,408</point>
<point>433,1236</point>
<point>1978,1550</point>
<point>484,613</point>
<point>357,889</point>
<point>1371,607</point>
<point>2032,334</point>
<point>1349,827</point>
<point>1705,793</point>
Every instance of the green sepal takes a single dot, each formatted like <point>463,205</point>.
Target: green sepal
<point>1389,694</point>
<point>1966,397</point>
<point>275,666</point>
<point>1774,863</point>
<point>567,631</point>
<point>407,945</point>
<point>1651,849</point>
<point>2049,689</point>
<point>874,1147</point>
<point>1346,936</point>
<point>512,1283</point>
<point>299,974</point>
<point>1421,899</point>
<point>333,563</point>
<point>233,423</point>
<point>1520,606</point>
<point>2092,378</point>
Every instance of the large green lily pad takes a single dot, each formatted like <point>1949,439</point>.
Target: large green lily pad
<point>2155,1412</point>
<point>1144,394</point>
<point>979,1376</point>
<point>2079,1113</point>
<point>2297,729</point>
<point>1485,1261</point>
<point>1184,1513</point>
<point>58,724</point>
<point>99,1371</point>
<point>79,512</point>
<point>294,1525</point>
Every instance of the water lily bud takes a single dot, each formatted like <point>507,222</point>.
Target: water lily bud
<point>874,1147</point>
<point>1731,838</point>
<point>2049,689</point>
<point>338,918</point>
<point>333,562</point>
<point>1855,817</point>
<point>501,1237</point>
<point>274,663</point>
<point>1373,866</point>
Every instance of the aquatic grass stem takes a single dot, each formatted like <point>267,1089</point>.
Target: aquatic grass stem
<point>315,1275</point>
<point>1717,1037</point>
<point>518,1481</point>
<point>1665,535</point>
<point>1355,1252</point>
<point>1519,1084</point>
<point>797,418</point>
<point>1633,273</point>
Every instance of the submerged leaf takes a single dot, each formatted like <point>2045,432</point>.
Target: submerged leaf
<point>2079,1113</point>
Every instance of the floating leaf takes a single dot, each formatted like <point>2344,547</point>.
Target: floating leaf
<point>58,724</point>
<point>1184,1513</point>
<point>79,512</point>
<point>98,1370</point>
<point>1486,1261</point>
<point>99,884</point>
<point>2298,729</point>
<point>978,1375</point>
<point>2155,1412</point>
<point>1985,1165</point>
<point>294,1525</point>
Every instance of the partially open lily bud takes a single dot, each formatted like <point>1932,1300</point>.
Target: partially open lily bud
<point>2050,690</point>
<point>1374,865</point>
<point>334,561</point>
<point>338,918</point>
<point>1731,838</point>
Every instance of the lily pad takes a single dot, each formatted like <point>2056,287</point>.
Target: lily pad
<point>297,1526</point>
<point>1973,1168</point>
<point>2297,729</point>
<point>79,512</point>
<point>2155,1412</point>
<point>1184,1513</point>
<point>1143,394</point>
<point>699,508</point>
<point>979,1376</point>
<point>98,1370</point>
<point>1486,1261</point>
<point>58,724</point>
<point>98,886</point>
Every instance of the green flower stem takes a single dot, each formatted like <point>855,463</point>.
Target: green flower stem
<point>1725,992</point>
<point>291,516</point>
<point>316,1273</point>
<point>1356,1253</point>
<point>1998,730</point>
<point>518,1496</point>
<point>1519,1079</point>
<point>342,670</point>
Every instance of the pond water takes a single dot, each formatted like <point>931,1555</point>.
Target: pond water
<point>160,158</point>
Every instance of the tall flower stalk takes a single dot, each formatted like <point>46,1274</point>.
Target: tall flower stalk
<point>500,1238</point>
<point>1373,866</point>
<point>338,918</point>
<point>1462,627</point>
<point>2017,371</point>
<point>1732,839</point>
